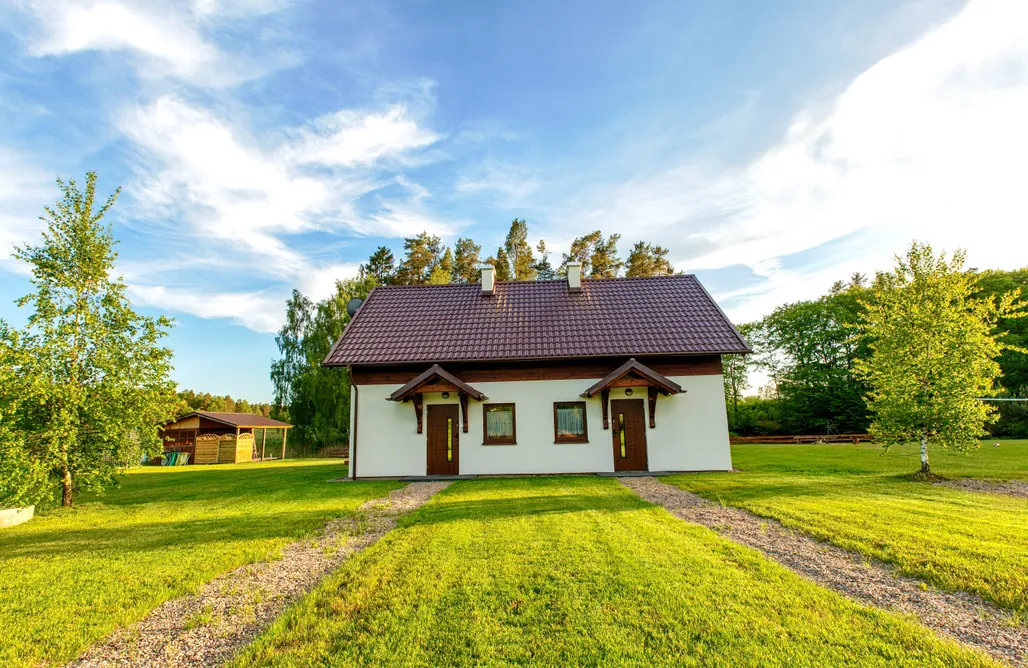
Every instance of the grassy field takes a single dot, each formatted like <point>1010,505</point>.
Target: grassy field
<point>578,571</point>
<point>860,499</point>
<point>71,577</point>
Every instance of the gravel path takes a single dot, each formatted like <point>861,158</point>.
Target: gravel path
<point>959,615</point>
<point>1018,488</point>
<point>209,627</point>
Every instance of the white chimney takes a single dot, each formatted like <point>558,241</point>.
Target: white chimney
<point>574,276</point>
<point>488,278</point>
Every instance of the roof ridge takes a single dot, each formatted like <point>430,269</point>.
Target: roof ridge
<point>535,281</point>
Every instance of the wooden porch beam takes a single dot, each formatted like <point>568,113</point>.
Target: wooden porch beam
<point>604,401</point>
<point>652,397</point>
<point>463,396</point>
<point>416,400</point>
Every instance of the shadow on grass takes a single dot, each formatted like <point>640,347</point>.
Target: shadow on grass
<point>155,536</point>
<point>221,485</point>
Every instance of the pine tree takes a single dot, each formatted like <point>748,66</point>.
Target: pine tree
<point>380,266</point>
<point>648,260</point>
<point>604,259</point>
<point>501,263</point>
<point>466,260</point>
<point>543,269</point>
<point>581,251</point>
<point>519,252</point>
<point>422,254</point>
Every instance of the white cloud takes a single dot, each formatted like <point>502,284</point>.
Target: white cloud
<point>349,138</point>
<point>203,178</point>
<point>168,39</point>
<point>258,311</point>
<point>930,142</point>
<point>194,167</point>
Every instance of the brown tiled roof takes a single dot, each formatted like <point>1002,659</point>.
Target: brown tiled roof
<point>240,419</point>
<point>666,315</point>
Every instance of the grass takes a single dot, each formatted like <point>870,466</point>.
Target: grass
<point>860,499</point>
<point>71,577</point>
<point>578,571</point>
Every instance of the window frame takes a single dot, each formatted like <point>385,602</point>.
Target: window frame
<point>584,438</point>
<point>513,438</point>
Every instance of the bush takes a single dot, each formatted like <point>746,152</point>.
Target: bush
<point>24,481</point>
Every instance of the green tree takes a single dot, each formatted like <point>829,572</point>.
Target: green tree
<point>466,260</point>
<point>447,265</point>
<point>1013,363</point>
<point>519,252</point>
<point>604,260</point>
<point>501,263</point>
<point>316,398</point>
<point>380,266</point>
<point>421,255</point>
<point>809,350</point>
<point>91,373</point>
<point>933,352</point>
<point>735,371</point>
<point>581,251</point>
<point>439,275</point>
<point>648,260</point>
<point>544,271</point>
<point>24,478</point>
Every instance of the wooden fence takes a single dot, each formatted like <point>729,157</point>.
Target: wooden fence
<point>805,438</point>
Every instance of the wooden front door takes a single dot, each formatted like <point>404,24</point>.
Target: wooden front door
<point>628,419</point>
<point>443,439</point>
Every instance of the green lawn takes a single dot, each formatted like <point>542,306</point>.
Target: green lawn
<point>69,578</point>
<point>578,571</point>
<point>862,500</point>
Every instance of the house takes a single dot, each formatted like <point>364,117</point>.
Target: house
<point>562,376</point>
<point>221,438</point>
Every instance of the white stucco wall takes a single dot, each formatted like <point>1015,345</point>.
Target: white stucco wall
<point>691,432</point>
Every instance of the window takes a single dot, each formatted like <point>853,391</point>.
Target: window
<point>569,422</point>
<point>499,427</point>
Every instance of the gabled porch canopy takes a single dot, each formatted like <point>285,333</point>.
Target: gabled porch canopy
<point>437,379</point>
<point>634,374</point>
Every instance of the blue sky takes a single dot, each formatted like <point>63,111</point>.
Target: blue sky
<point>272,144</point>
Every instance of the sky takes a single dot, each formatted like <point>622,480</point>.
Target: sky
<point>268,145</point>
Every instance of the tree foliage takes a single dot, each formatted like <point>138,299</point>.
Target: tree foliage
<point>934,349</point>
<point>380,266</point>
<point>421,256</point>
<point>316,399</point>
<point>190,400</point>
<point>467,257</point>
<point>811,350</point>
<point>519,252</point>
<point>90,374</point>
<point>544,271</point>
<point>648,260</point>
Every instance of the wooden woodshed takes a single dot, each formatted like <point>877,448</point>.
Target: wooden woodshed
<point>222,438</point>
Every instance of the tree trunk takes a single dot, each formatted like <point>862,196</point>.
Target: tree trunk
<point>925,469</point>
<point>66,499</point>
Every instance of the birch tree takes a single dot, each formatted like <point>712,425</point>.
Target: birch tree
<point>91,374</point>
<point>933,353</point>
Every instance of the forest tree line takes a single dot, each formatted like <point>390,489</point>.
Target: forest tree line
<point>427,260</point>
<point>190,400</point>
<point>809,350</point>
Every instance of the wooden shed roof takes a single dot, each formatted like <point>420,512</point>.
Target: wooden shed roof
<point>238,419</point>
